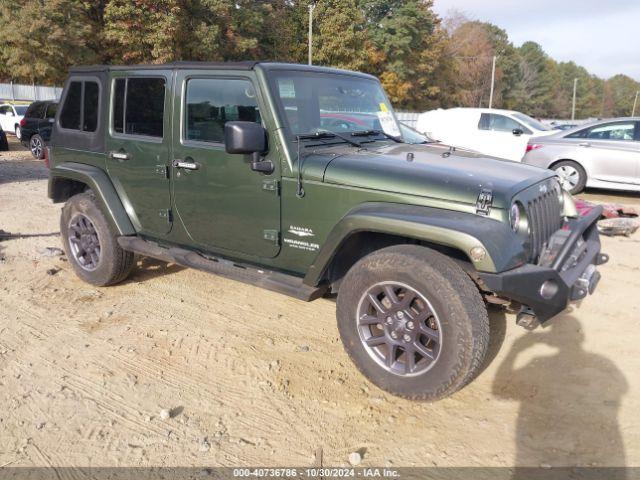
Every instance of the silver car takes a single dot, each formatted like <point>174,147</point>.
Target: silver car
<point>603,154</point>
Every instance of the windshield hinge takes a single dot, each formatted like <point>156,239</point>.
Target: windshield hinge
<point>271,186</point>
<point>272,236</point>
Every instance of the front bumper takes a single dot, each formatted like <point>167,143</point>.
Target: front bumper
<point>566,271</point>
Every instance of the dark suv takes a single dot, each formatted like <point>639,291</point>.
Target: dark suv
<point>36,126</point>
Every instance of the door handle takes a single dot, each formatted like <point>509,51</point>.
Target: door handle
<point>119,155</point>
<point>185,164</point>
<point>584,144</point>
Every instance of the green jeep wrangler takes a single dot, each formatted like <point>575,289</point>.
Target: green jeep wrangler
<point>300,180</point>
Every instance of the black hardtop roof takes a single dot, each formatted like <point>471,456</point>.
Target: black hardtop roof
<point>188,65</point>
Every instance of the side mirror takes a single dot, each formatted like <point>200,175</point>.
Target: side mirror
<point>244,138</point>
<point>248,138</point>
<point>517,132</point>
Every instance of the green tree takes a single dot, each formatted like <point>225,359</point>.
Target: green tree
<point>41,40</point>
<point>340,37</point>
<point>533,89</point>
<point>619,95</point>
<point>407,42</point>
<point>589,91</point>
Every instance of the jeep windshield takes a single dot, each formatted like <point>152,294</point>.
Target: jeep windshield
<point>312,103</point>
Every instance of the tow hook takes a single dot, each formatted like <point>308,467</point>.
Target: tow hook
<point>527,319</point>
<point>586,284</point>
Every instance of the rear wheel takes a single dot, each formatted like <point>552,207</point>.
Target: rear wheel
<point>18,132</point>
<point>572,176</point>
<point>413,322</point>
<point>91,242</point>
<point>36,145</point>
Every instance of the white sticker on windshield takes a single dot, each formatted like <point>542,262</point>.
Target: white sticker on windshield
<point>388,124</point>
<point>286,88</point>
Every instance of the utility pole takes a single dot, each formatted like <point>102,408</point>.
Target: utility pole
<point>635,102</point>
<point>312,7</point>
<point>493,81</point>
<point>573,105</point>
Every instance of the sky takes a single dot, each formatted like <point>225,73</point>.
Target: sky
<point>601,35</point>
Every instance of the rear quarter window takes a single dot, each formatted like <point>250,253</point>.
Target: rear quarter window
<point>70,115</point>
<point>81,107</point>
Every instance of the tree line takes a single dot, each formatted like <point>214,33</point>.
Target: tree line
<point>423,61</point>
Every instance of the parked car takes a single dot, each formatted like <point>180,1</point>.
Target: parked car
<point>10,117</point>
<point>36,126</point>
<point>564,126</point>
<point>350,121</point>
<point>231,168</point>
<point>497,133</point>
<point>603,154</point>
<point>4,144</point>
<point>412,136</point>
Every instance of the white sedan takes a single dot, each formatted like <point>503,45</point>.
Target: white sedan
<point>497,133</point>
<point>10,116</point>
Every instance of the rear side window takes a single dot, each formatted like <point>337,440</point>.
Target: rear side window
<point>624,131</point>
<point>500,123</point>
<point>80,109</point>
<point>138,106</point>
<point>36,110</point>
<point>51,110</point>
<point>211,103</point>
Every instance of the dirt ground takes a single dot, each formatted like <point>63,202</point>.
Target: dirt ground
<point>252,377</point>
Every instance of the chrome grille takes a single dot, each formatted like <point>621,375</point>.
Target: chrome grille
<point>545,217</point>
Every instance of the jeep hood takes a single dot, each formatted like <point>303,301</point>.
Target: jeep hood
<point>434,171</point>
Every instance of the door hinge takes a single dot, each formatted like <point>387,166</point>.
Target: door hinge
<point>162,170</point>
<point>166,214</point>
<point>272,236</point>
<point>271,186</point>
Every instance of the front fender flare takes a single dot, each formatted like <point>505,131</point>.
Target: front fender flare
<point>98,181</point>
<point>458,230</point>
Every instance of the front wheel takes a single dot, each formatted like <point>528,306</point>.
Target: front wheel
<point>18,132</point>
<point>413,322</point>
<point>36,145</point>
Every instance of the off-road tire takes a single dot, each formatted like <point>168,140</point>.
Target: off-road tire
<point>115,264</point>
<point>582,175</point>
<point>464,323</point>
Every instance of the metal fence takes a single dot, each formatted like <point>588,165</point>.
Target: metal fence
<point>18,92</point>
<point>408,118</point>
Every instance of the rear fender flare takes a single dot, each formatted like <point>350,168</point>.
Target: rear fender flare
<point>98,181</point>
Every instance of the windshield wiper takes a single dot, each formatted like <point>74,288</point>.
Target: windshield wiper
<point>316,136</point>
<point>368,133</point>
<point>328,134</point>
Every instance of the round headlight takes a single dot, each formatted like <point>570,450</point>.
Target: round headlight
<point>514,217</point>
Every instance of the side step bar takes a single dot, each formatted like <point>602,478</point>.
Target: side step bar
<point>270,280</point>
